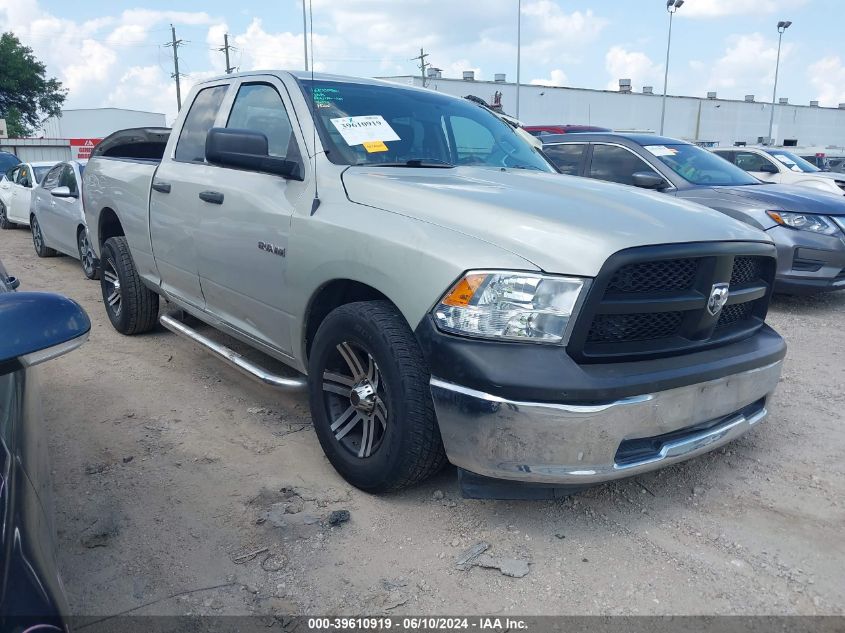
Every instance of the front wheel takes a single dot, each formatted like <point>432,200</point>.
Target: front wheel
<point>131,306</point>
<point>86,255</point>
<point>4,218</point>
<point>371,400</point>
<point>41,248</point>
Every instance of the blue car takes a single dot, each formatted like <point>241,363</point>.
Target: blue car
<point>34,327</point>
<point>807,226</point>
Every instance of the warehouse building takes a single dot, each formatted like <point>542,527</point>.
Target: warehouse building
<point>75,133</point>
<point>709,121</point>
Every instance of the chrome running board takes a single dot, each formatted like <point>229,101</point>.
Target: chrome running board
<point>232,358</point>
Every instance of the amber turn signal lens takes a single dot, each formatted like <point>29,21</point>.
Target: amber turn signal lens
<point>463,291</point>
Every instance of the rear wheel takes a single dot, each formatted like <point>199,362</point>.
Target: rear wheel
<point>41,248</point>
<point>131,306</point>
<point>86,254</point>
<point>370,398</point>
<point>4,219</point>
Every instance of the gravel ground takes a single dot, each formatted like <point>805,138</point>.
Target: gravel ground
<point>176,475</point>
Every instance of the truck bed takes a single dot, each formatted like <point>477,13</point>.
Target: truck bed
<point>117,181</point>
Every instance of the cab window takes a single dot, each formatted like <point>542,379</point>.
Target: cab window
<point>751,162</point>
<point>191,145</point>
<point>567,157</point>
<point>258,107</point>
<point>616,164</point>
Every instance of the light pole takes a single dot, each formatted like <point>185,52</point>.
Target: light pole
<point>518,49</point>
<point>782,26</point>
<point>304,36</point>
<point>671,7</point>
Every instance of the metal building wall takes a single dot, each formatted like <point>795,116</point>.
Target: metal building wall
<point>692,118</point>
<point>36,150</point>
<point>99,122</point>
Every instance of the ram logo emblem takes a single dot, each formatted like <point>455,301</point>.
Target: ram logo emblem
<point>718,298</point>
<point>271,248</point>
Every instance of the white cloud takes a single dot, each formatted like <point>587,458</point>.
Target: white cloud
<point>556,78</point>
<point>722,8</point>
<point>634,65</point>
<point>827,76</point>
<point>747,66</point>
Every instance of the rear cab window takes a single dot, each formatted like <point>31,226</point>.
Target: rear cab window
<point>190,148</point>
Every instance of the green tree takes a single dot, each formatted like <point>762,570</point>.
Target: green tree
<point>27,96</point>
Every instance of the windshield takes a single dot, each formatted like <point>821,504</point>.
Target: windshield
<point>40,172</point>
<point>793,162</point>
<point>700,167</point>
<point>366,124</point>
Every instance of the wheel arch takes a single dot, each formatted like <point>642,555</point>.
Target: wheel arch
<point>328,297</point>
<point>108,225</point>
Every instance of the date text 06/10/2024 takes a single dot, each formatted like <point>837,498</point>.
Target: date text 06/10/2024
<point>417,624</point>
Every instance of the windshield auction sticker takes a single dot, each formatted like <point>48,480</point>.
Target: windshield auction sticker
<point>661,150</point>
<point>357,130</point>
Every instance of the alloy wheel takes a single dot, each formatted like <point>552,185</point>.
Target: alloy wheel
<point>37,238</point>
<point>114,297</point>
<point>86,256</point>
<point>355,400</point>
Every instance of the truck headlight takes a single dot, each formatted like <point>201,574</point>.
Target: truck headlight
<point>805,222</point>
<point>512,306</point>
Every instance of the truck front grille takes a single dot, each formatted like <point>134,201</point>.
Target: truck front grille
<point>652,301</point>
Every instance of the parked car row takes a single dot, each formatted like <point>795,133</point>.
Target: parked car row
<point>807,225</point>
<point>47,197</point>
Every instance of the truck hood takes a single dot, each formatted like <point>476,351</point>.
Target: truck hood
<point>561,224</point>
<point>783,198</point>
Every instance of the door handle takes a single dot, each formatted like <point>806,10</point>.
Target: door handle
<point>214,197</point>
<point>161,187</point>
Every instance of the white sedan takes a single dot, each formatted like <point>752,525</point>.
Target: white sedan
<point>57,220</point>
<point>772,164</point>
<point>16,188</point>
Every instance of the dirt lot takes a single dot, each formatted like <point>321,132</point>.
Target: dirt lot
<point>172,471</point>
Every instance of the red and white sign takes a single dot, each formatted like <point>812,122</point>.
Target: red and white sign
<point>81,148</point>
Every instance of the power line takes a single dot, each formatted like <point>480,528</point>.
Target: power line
<point>175,75</point>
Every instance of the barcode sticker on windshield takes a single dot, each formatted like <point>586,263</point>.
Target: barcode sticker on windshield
<point>375,146</point>
<point>661,150</point>
<point>357,130</point>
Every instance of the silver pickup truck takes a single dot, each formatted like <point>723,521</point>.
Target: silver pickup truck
<point>441,291</point>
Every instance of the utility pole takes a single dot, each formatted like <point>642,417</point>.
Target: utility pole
<point>422,65</point>
<point>225,49</point>
<point>175,44</point>
<point>305,35</point>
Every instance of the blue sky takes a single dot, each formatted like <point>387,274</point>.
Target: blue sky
<point>112,54</point>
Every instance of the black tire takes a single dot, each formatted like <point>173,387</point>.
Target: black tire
<point>86,254</point>
<point>5,224</point>
<point>41,248</point>
<point>135,309</point>
<point>409,448</point>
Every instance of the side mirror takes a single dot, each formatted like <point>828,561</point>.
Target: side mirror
<point>62,192</point>
<point>246,149</point>
<point>768,168</point>
<point>39,326</point>
<point>648,180</point>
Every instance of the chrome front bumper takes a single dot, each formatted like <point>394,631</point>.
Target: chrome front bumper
<point>558,443</point>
